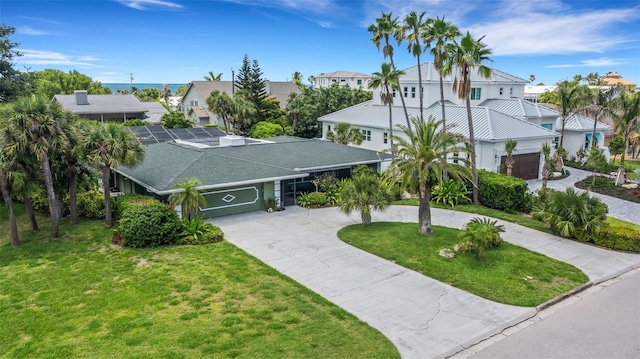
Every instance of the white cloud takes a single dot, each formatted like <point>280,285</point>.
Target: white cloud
<point>146,4</point>
<point>313,6</point>
<point>601,62</point>
<point>26,30</point>
<point>39,57</point>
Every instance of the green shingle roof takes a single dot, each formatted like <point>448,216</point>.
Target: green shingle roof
<point>167,163</point>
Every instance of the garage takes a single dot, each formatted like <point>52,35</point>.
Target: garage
<point>526,166</point>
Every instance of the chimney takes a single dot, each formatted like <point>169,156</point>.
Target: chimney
<point>81,97</point>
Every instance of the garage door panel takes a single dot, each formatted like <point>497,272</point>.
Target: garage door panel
<point>526,166</point>
<point>232,200</point>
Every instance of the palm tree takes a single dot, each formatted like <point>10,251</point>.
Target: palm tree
<point>625,122</point>
<point>107,146</point>
<point>221,104</point>
<point>600,104</point>
<point>421,161</point>
<point>383,29</point>
<point>296,78</point>
<point>36,123</point>
<point>439,34</point>
<point>166,92</point>
<point>188,197</point>
<point>569,100</point>
<point>389,80</point>
<point>364,191</point>
<point>509,148</point>
<point>413,30</point>
<point>546,166</point>
<point>213,77</point>
<point>344,134</point>
<point>466,56</point>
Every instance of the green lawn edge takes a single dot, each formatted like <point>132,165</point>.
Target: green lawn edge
<point>507,274</point>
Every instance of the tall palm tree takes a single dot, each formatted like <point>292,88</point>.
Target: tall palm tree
<point>37,123</point>
<point>439,35</point>
<point>188,197</point>
<point>413,30</point>
<point>165,93</point>
<point>212,77</point>
<point>625,122</point>
<point>107,146</point>
<point>389,80</point>
<point>365,191</point>
<point>421,161</point>
<point>509,148</point>
<point>467,56</point>
<point>570,96</point>
<point>384,28</point>
<point>297,78</point>
<point>344,134</point>
<point>221,104</point>
<point>599,104</point>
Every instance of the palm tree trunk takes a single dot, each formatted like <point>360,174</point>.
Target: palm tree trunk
<point>15,240</point>
<point>564,120</point>
<point>404,105</point>
<point>420,87</point>
<point>620,177</point>
<point>30,212</point>
<point>472,143</point>
<point>593,139</point>
<point>106,174</point>
<point>73,202</point>
<point>444,121</point>
<point>365,215</point>
<point>391,130</point>
<point>424,212</point>
<point>54,208</point>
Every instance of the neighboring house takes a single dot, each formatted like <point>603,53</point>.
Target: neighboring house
<point>239,174</point>
<point>343,78</point>
<point>491,129</point>
<point>499,112</point>
<point>531,93</point>
<point>194,101</point>
<point>614,78</point>
<point>115,107</point>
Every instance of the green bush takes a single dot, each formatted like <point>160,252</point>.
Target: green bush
<point>450,192</point>
<point>478,235</point>
<point>121,203</point>
<point>198,231</point>
<point>136,122</point>
<point>619,238</point>
<point>313,199</point>
<point>150,224</point>
<point>91,204</point>
<point>502,192</point>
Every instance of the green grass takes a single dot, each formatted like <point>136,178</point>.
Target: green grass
<point>517,218</point>
<point>79,296</point>
<point>614,222</point>
<point>507,274</point>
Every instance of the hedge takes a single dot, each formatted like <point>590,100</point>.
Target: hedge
<point>503,192</point>
<point>149,224</point>
<point>619,238</point>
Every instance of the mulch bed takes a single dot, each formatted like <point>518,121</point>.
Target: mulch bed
<point>607,187</point>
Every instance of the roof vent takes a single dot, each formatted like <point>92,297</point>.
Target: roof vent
<point>81,97</point>
<point>232,140</point>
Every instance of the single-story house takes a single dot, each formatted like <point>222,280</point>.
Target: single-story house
<point>116,107</point>
<point>239,174</point>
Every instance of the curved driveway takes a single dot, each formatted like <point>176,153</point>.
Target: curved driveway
<point>423,317</point>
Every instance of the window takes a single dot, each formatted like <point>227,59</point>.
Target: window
<point>366,135</point>
<point>556,141</point>
<point>455,157</point>
<point>394,93</point>
<point>359,82</point>
<point>501,90</point>
<point>385,138</point>
<point>193,102</point>
<point>413,92</point>
<point>343,80</point>
<point>328,128</point>
<point>511,91</point>
<point>406,92</point>
<point>475,93</point>
<point>548,126</point>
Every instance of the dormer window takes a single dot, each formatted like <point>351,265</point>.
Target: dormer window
<point>475,93</point>
<point>501,90</point>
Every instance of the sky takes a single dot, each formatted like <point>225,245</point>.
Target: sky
<point>178,41</point>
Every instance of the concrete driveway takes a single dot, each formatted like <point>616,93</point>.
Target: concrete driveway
<point>423,317</point>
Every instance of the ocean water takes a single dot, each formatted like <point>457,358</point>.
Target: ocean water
<point>125,86</point>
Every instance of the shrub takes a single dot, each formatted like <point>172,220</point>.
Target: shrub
<point>91,204</point>
<point>503,192</point>
<point>198,231</point>
<point>313,199</point>
<point>121,203</point>
<point>619,238</point>
<point>478,235</point>
<point>450,192</point>
<point>571,214</point>
<point>135,122</point>
<point>149,225</point>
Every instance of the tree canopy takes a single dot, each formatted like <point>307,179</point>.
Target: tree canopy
<point>52,82</point>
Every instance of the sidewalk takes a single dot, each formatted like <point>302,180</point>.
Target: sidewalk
<point>424,318</point>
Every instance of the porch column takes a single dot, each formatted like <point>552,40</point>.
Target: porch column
<point>276,193</point>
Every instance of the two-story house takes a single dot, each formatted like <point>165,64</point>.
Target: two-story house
<point>343,78</point>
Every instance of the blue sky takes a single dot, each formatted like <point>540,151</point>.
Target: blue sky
<point>177,41</point>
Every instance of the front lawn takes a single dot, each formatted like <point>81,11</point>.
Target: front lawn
<point>507,274</point>
<point>80,296</point>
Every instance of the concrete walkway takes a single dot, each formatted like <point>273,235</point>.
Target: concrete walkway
<point>621,209</point>
<point>423,317</point>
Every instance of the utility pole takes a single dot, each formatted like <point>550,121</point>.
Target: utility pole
<point>131,81</point>
<point>233,82</point>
